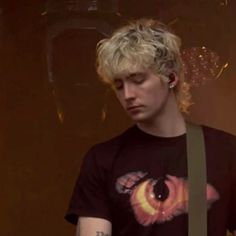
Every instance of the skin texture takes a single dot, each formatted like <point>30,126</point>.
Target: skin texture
<point>90,226</point>
<point>150,103</point>
<point>142,95</point>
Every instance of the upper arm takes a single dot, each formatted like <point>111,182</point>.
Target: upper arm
<point>91,226</point>
<point>90,197</point>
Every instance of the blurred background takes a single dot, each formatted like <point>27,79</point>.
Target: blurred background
<point>53,107</point>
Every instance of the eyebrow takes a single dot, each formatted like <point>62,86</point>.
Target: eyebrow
<point>130,76</point>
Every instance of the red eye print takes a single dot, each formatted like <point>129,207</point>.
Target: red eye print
<point>126,183</point>
<point>147,206</point>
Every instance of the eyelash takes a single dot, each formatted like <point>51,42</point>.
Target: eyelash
<point>139,80</point>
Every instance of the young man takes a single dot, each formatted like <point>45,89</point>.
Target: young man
<point>137,183</point>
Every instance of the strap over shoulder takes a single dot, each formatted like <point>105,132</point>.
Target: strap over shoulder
<point>196,158</point>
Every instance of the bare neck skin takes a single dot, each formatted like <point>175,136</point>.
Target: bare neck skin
<point>168,123</point>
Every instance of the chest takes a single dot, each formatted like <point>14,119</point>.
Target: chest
<point>149,185</point>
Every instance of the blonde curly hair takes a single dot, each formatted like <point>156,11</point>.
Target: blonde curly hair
<point>140,45</point>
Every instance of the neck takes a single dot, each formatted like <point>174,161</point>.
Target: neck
<point>169,123</point>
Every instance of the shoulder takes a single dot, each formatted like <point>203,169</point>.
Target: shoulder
<point>114,142</point>
<point>217,134</point>
<point>219,140</point>
<point>104,152</point>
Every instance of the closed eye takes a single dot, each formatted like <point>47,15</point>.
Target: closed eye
<point>138,78</point>
<point>118,84</point>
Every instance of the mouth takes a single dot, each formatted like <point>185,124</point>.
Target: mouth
<point>133,108</point>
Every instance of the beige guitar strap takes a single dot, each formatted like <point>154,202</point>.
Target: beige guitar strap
<point>197,180</point>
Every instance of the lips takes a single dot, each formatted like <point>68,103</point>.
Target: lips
<point>130,108</point>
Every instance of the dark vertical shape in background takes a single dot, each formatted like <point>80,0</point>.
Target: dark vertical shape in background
<point>33,168</point>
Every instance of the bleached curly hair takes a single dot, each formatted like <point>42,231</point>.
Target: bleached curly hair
<point>143,44</point>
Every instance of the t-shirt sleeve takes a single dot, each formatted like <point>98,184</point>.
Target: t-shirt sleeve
<point>89,197</point>
<point>232,217</point>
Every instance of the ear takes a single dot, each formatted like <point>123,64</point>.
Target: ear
<point>173,80</point>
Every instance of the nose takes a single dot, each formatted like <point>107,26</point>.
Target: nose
<point>128,92</point>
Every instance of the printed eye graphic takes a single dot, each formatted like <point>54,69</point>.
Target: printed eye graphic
<point>149,209</point>
<point>126,183</point>
<point>152,204</point>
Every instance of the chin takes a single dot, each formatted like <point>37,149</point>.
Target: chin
<point>141,118</point>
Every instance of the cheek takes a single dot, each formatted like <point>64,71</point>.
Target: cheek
<point>159,99</point>
<point>119,98</point>
<point>158,92</point>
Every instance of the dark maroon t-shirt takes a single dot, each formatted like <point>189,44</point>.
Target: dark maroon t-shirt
<point>139,182</point>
